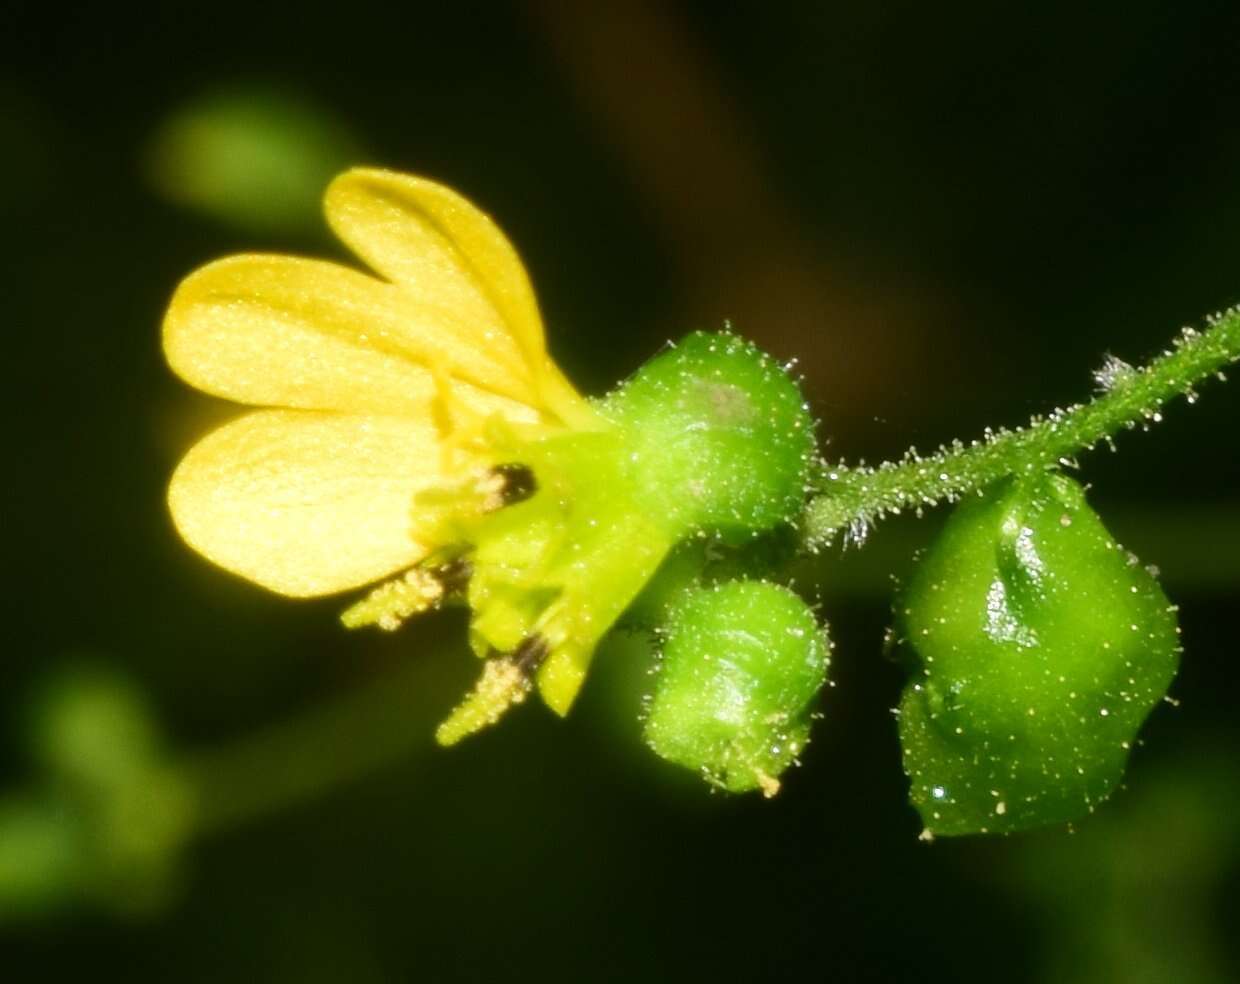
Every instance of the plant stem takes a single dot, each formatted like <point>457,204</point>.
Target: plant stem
<point>377,725</point>
<point>852,499</point>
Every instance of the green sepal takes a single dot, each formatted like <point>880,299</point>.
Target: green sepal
<point>719,438</point>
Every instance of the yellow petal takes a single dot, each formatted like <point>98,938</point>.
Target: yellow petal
<point>433,242</point>
<point>306,503</point>
<point>293,332</point>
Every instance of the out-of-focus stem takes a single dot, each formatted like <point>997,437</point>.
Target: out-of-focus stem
<point>302,758</point>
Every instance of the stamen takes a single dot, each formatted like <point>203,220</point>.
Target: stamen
<point>418,590</point>
<point>529,655</point>
<point>388,605</point>
<point>507,679</point>
<point>518,482</point>
<point>454,575</point>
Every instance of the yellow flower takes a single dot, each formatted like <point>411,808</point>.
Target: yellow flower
<point>390,409</point>
<point>414,425</point>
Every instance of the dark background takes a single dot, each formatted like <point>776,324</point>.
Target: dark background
<point>947,213</point>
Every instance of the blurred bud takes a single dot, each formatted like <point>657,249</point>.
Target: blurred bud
<point>91,728</point>
<point>253,158</point>
<point>112,816</point>
<point>741,665</point>
<point>1040,647</point>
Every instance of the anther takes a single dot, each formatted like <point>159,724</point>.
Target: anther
<point>507,679</point>
<point>517,482</point>
<point>529,655</point>
<point>453,576</point>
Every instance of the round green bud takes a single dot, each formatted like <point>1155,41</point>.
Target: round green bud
<point>106,767</point>
<point>719,435</point>
<point>741,665</point>
<point>93,729</point>
<point>1040,647</point>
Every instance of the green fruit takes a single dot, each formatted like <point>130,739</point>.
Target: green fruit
<point>719,437</point>
<point>742,663</point>
<point>1040,646</point>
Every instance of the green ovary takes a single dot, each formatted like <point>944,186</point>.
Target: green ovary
<point>1039,647</point>
<point>742,664</point>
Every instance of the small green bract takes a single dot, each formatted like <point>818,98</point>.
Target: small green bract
<point>742,664</point>
<point>1040,646</point>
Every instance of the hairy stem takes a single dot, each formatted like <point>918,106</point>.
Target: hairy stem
<point>851,499</point>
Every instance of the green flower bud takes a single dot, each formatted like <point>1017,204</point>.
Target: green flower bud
<point>1040,646</point>
<point>720,437</point>
<point>93,729</point>
<point>741,665</point>
<point>115,814</point>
